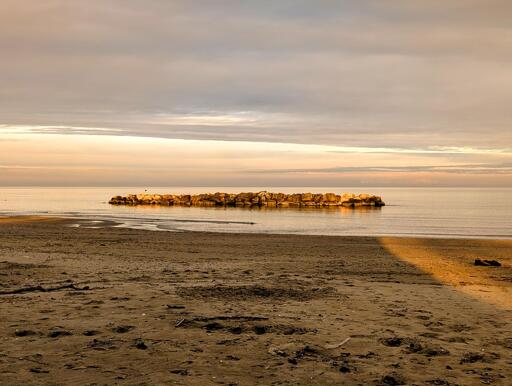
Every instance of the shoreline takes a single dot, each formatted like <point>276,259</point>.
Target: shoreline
<point>125,306</point>
<point>87,222</point>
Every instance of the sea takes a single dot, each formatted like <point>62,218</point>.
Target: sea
<point>414,212</point>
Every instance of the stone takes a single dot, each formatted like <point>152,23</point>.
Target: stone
<point>250,199</point>
<point>331,197</point>
<point>307,197</point>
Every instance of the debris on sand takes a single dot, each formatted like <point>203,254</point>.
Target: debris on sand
<point>297,352</point>
<point>140,344</point>
<point>393,379</point>
<point>179,323</point>
<point>21,333</point>
<point>122,329</point>
<point>90,332</point>
<point>238,324</point>
<point>101,345</point>
<point>59,333</point>
<point>392,342</point>
<point>8,265</point>
<point>39,288</point>
<point>414,346</point>
<point>487,263</point>
<point>175,307</point>
<point>472,357</point>
<point>179,372</point>
<point>338,345</point>
<point>38,370</point>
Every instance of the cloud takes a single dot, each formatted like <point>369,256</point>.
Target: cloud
<point>382,74</point>
<point>232,92</point>
<point>503,168</point>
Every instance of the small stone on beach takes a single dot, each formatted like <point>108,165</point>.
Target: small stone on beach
<point>139,343</point>
<point>122,329</point>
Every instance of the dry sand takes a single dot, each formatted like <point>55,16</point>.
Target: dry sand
<point>111,306</point>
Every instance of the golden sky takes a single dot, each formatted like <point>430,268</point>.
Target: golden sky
<point>110,160</point>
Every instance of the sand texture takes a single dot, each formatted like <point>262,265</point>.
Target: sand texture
<point>120,306</point>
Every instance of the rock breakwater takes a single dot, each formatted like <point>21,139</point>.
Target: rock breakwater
<point>249,199</point>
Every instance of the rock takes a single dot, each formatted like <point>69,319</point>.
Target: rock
<point>250,199</point>
<point>331,197</point>
<point>307,197</point>
<point>344,369</point>
<point>295,198</point>
<point>139,344</point>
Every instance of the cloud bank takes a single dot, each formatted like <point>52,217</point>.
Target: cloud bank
<point>403,76</point>
<point>394,73</point>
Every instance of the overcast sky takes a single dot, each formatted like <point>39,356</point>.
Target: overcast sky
<point>362,92</point>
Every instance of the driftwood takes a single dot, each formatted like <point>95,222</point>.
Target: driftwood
<point>333,346</point>
<point>39,288</point>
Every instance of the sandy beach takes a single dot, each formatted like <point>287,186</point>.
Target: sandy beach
<point>84,306</point>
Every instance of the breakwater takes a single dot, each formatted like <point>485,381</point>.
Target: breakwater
<point>252,199</point>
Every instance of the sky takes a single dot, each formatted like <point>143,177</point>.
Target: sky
<point>256,93</point>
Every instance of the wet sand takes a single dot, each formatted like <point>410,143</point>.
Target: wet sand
<point>121,306</point>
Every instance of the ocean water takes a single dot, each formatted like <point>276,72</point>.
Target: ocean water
<point>424,212</point>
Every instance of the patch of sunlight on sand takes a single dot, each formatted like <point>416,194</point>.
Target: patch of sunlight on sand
<point>451,262</point>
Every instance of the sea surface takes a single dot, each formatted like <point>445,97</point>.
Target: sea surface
<point>423,212</point>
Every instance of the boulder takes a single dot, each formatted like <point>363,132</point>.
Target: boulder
<point>331,197</point>
<point>307,197</point>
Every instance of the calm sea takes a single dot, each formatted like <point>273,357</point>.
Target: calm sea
<point>427,212</point>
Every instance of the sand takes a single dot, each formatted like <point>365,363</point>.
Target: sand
<point>120,306</point>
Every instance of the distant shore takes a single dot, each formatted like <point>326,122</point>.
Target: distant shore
<point>124,306</point>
